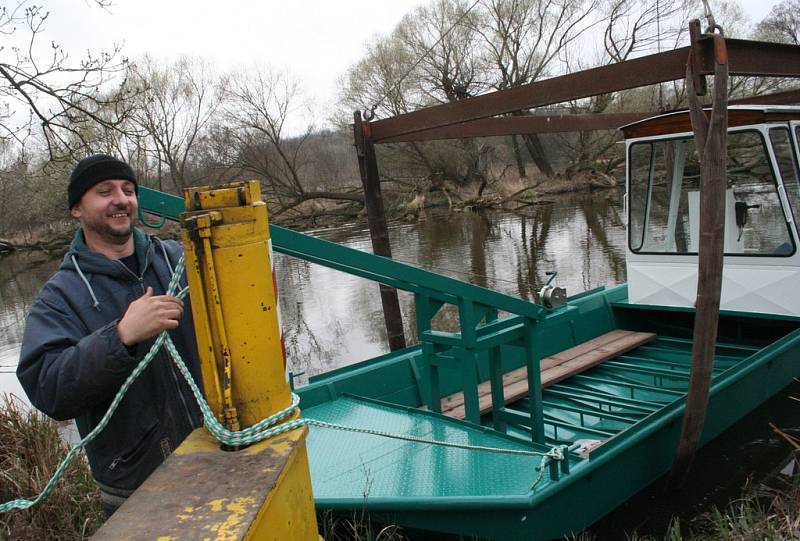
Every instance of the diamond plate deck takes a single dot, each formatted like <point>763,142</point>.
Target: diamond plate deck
<point>351,465</point>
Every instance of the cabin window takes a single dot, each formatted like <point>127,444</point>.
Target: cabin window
<point>664,198</point>
<point>787,165</point>
<point>641,158</point>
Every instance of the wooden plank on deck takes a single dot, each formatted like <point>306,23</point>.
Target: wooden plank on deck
<point>555,368</point>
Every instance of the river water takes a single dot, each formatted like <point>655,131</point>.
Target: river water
<point>331,319</point>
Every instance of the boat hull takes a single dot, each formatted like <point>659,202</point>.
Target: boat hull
<point>643,391</point>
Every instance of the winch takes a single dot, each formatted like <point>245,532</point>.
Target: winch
<point>550,296</point>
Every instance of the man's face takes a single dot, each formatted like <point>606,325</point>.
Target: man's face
<point>108,209</point>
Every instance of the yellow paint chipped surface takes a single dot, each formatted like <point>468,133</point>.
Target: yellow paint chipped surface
<point>230,526</point>
<point>282,444</point>
<point>199,441</point>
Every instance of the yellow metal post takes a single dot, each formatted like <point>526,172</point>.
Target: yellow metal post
<point>203,491</point>
<point>226,239</point>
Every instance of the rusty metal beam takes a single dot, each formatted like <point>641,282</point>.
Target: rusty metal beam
<point>777,98</point>
<point>754,58</point>
<point>746,58</point>
<point>489,127</point>
<point>557,123</point>
<point>647,70</point>
<point>378,230</point>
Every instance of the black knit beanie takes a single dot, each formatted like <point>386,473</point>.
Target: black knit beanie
<point>94,169</point>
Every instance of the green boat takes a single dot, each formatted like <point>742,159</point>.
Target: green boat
<point>613,365</point>
<point>533,420</point>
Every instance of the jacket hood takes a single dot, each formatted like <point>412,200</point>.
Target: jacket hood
<point>80,258</point>
<point>83,261</point>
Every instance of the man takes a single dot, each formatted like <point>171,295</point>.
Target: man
<point>96,318</point>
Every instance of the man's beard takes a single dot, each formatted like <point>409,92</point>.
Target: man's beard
<point>110,234</point>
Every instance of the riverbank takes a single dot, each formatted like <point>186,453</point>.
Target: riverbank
<point>52,238</point>
<point>509,193</point>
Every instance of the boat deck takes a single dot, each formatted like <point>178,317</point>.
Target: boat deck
<point>554,368</point>
<point>359,466</point>
<point>613,396</point>
<point>593,406</point>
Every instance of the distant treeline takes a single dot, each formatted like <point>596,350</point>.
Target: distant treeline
<point>186,123</point>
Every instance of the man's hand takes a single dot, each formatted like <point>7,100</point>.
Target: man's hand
<point>149,315</point>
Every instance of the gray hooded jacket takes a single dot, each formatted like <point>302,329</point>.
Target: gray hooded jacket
<point>72,361</point>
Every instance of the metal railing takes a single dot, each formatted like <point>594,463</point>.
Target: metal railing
<point>481,332</point>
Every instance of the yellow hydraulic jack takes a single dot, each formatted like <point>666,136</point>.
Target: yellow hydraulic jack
<point>203,491</point>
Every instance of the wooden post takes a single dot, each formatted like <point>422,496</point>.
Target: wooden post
<point>711,141</point>
<point>379,233</point>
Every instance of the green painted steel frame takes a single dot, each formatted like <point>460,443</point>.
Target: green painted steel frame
<point>478,307</point>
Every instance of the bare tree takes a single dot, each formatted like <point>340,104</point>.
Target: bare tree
<point>259,105</point>
<point>172,114</point>
<point>737,25</point>
<point>636,26</point>
<point>433,56</point>
<point>333,161</point>
<point>782,24</point>
<point>442,40</point>
<point>631,28</point>
<point>449,67</point>
<point>377,82</point>
<point>45,93</point>
<point>525,41</point>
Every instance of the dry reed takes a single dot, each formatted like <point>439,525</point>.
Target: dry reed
<point>31,448</point>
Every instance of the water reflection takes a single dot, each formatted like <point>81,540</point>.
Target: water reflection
<point>332,319</point>
<point>21,276</point>
<point>581,237</point>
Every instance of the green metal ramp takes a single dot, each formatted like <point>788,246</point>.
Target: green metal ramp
<point>357,467</point>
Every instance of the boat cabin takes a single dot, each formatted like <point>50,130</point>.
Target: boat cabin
<point>762,204</point>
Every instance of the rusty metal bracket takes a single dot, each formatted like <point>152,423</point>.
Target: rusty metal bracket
<point>358,134</point>
<point>747,58</point>
<point>695,54</point>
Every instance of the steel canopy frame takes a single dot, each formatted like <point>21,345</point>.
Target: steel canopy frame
<point>479,116</point>
<point>559,123</point>
<point>747,58</point>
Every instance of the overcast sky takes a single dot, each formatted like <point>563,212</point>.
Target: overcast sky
<point>316,39</point>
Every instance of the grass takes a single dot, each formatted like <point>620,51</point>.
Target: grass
<point>357,527</point>
<point>763,513</point>
<point>766,514</point>
<point>31,448</point>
